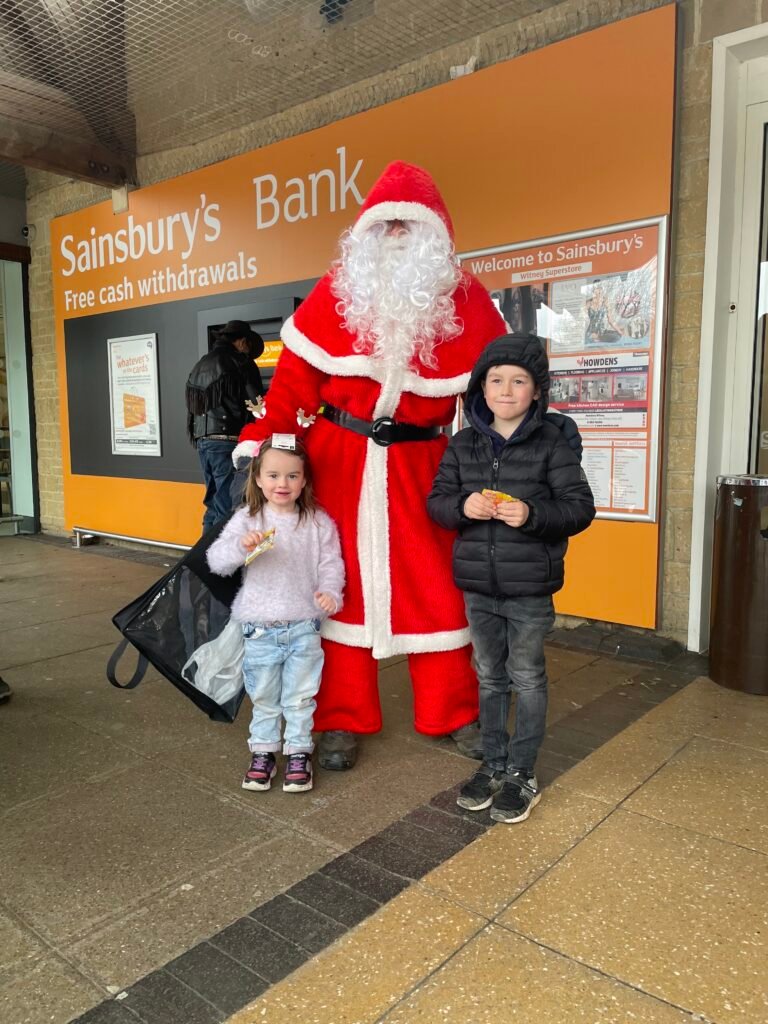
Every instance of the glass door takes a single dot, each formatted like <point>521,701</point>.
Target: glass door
<point>18,509</point>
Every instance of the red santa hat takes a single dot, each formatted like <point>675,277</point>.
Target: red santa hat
<point>405,192</point>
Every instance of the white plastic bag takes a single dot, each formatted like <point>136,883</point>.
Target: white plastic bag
<point>216,668</point>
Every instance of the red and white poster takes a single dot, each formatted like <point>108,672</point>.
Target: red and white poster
<point>595,298</point>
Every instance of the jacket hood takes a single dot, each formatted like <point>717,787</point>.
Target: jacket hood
<point>526,350</point>
<point>405,192</point>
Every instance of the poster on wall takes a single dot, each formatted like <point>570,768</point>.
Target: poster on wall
<point>133,395</point>
<point>596,298</point>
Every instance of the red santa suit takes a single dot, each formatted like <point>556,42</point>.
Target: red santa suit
<point>400,597</point>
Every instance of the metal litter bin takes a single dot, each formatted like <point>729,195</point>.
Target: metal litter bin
<point>738,644</point>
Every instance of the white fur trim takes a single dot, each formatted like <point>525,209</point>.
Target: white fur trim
<point>401,643</point>
<point>400,211</point>
<point>373,542</point>
<point>437,387</point>
<point>244,450</point>
<point>366,366</point>
<point>341,366</point>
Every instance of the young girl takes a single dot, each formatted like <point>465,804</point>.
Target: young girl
<point>286,592</point>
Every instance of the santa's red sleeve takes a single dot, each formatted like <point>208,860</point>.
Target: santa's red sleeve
<point>295,385</point>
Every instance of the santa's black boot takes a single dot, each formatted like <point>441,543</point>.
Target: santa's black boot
<point>469,741</point>
<point>337,750</point>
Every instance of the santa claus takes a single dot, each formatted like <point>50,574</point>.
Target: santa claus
<point>373,362</point>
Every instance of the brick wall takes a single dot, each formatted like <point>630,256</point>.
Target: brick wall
<point>701,20</point>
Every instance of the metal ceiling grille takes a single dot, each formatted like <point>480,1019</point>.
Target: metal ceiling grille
<point>141,76</point>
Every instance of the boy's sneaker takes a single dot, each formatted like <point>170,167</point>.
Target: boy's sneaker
<point>262,770</point>
<point>516,799</point>
<point>479,791</point>
<point>298,773</point>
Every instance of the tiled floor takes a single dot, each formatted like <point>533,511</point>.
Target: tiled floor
<point>135,867</point>
<point>640,897</point>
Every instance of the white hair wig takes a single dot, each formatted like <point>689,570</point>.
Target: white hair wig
<point>398,288</point>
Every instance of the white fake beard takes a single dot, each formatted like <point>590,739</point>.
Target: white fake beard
<point>396,292</point>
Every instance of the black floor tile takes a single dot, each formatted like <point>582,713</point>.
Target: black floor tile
<point>621,706</point>
<point>549,758</point>
<point>298,923</point>
<point>461,829</point>
<point>367,878</point>
<point>397,859</point>
<point>109,1012</point>
<point>546,776</point>
<point>333,899</point>
<point>259,949</point>
<point>640,646</point>
<point>583,638</point>
<point>695,664</point>
<point>446,801</point>
<point>562,740</point>
<point>162,999</point>
<point>656,685</point>
<point>603,720</point>
<point>218,978</point>
<point>429,844</point>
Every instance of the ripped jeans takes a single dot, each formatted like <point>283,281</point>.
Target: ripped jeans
<point>282,668</point>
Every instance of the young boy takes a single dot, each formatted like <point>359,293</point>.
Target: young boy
<point>508,557</point>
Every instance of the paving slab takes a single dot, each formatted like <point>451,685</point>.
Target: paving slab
<point>498,976</point>
<point>17,944</point>
<point>674,913</point>
<point>615,769</point>
<point>31,770</point>
<point>366,973</point>
<point>195,908</point>
<point>29,644</point>
<point>92,860</point>
<point>48,991</point>
<point>135,864</point>
<point>518,856</point>
<point>711,787</point>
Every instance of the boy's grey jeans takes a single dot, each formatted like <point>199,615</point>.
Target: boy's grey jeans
<point>508,640</point>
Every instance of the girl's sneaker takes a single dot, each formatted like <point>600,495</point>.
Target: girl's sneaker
<point>261,772</point>
<point>298,773</point>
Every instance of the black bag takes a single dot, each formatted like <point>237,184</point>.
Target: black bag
<point>186,609</point>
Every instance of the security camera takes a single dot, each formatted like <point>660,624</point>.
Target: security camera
<point>29,231</point>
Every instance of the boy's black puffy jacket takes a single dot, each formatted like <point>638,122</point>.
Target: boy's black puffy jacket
<point>536,465</point>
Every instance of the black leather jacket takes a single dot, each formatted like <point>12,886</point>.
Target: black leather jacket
<point>217,389</point>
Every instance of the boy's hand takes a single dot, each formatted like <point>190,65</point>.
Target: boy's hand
<point>251,540</point>
<point>513,513</point>
<point>478,506</point>
<point>325,602</point>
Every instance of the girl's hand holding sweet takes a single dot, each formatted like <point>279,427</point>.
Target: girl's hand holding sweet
<point>251,540</point>
<point>325,602</point>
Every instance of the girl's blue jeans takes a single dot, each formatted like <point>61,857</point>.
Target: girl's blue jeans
<point>282,668</point>
<point>508,640</point>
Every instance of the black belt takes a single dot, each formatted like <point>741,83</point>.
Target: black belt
<point>384,431</point>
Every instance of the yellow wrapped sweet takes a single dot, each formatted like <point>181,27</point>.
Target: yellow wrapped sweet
<point>267,542</point>
<point>497,496</point>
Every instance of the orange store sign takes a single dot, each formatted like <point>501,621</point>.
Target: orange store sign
<point>521,150</point>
